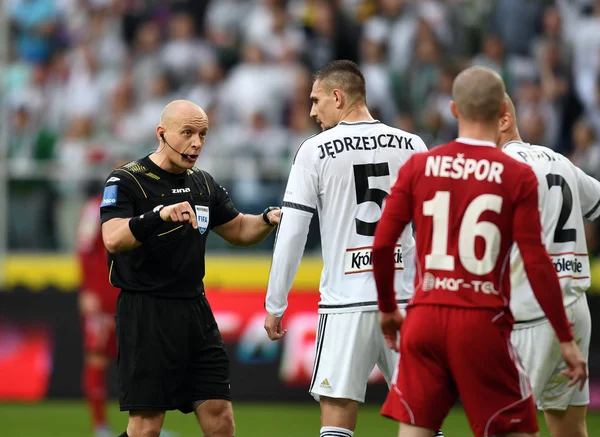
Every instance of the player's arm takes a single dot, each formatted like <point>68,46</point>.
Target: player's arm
<point>121,231</point>
<point>589,194</point>
<point>299,203</point>
<point>398,212</point>
<point>287,253</point>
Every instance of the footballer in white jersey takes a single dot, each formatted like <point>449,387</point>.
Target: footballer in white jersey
<point>344,174</point>
<point>567,196</point>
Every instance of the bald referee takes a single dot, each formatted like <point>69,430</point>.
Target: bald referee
<point>156,215</point>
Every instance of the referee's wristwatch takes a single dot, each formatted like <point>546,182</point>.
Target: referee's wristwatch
<point>266,217</point>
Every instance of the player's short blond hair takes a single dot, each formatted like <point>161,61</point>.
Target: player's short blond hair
<point>478,94</point>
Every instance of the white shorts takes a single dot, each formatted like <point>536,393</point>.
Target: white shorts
<point>348,347</point>
<point>539,349</point>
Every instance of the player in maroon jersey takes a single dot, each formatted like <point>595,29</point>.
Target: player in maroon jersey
<point>469,202</point>
<point>97,303</point>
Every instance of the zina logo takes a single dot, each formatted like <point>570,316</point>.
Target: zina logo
<point>180,190</point>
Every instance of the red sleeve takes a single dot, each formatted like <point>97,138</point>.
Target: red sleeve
<point>88,233</point>
<point>396,215</point>
<point>88,227</point>
<point>527,232</point>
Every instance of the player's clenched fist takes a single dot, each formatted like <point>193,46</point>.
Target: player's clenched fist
<point>179,212</point>
<point>390,326</point>
<point>274,328</point>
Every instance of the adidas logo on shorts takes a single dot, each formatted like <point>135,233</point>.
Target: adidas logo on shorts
<point>325,384</point>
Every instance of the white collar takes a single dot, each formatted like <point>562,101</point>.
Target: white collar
<point>352,123</point>
<point>474,142</point>
<point>519,143</point>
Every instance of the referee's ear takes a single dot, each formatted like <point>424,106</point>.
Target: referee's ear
<point>160,132</point>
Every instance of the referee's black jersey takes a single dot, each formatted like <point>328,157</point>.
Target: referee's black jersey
<point>171,262</point>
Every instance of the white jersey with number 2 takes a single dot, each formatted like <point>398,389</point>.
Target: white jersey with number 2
<point>566,195</point>
<point>344,173</point>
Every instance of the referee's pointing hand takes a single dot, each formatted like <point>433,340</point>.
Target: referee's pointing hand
<point>179,213</point>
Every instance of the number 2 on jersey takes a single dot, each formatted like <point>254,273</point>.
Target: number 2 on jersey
<point>364,193</point>
<point>562,235</point>
<point>470,229</point>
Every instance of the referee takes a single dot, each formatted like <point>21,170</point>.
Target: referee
<point>156,215</point>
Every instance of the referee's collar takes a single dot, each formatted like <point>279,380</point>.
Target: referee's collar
<point>178,177</point>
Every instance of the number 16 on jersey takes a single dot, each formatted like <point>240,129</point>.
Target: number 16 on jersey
<point>470,228</point>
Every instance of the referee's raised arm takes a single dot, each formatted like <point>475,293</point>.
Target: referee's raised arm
<point>122,234</point>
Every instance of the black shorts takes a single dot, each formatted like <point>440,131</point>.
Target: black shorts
<point>171,353</point>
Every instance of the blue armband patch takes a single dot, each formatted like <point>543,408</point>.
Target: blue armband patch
<point>109,198</point>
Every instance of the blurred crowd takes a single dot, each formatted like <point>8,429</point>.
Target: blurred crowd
<point>87,80</point>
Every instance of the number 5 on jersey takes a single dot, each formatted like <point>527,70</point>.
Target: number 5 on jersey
<point>470,229</point>
<point>364,193</point>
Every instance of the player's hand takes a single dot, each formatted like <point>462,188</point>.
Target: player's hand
<point>274,328</point>
<point>274,216</point>
<point>179,213</point>
<point>577,366</point>
<point>89,303</point>
<point>390,326</point>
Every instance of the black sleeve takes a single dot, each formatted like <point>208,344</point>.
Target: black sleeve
<point>118,200</point>
<point>222,208</point>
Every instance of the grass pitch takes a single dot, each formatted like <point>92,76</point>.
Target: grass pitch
<point>70,419</point>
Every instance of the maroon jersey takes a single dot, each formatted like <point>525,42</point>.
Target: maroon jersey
<point>469,202</point>
<point>92,256</point>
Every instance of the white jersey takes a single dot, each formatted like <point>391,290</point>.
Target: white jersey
<point>344,173</point>
<point>566,196</point>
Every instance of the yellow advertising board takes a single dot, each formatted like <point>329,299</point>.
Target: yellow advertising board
<point>37,272</point>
